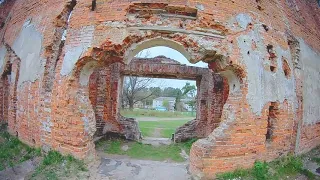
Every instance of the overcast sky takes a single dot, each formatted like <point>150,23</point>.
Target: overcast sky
<point>173,54</point>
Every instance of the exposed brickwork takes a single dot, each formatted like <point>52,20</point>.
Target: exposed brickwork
<point>61,108</point>
<point>105,86</point>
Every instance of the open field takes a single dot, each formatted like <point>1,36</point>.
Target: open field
<point>154,113</point>
<point>160,128</point>
<point>160,124</point>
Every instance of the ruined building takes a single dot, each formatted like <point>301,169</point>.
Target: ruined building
<point>62,64</point>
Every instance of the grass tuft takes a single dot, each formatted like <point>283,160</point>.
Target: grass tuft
<point>13,151</point>
<point>56,166</point>
<point>283,168</point>
<point>316,160</point>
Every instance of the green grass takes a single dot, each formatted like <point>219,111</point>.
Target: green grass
<point>286,167</point>
<point>167,127</point>
<point>142,151</point>
<point>13,151</point>
<point>316,160</point>
<point>56,166</point>
<point>146,131</point>
<point>155,113</point>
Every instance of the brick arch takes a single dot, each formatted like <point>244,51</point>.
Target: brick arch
<point>109,53</point>
<point>135,48</point>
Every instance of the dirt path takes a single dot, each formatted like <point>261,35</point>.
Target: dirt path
<point>156,133</point>
<point>20,171</point>
<point>124,168</point>
<point>163,119</point>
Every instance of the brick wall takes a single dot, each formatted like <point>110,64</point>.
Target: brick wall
<point>62,117</point>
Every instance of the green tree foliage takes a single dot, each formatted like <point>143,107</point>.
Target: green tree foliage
<point>165,103</point>
<point>190,91</point>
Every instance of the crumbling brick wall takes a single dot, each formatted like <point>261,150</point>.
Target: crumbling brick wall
<point>105,89</point>
<point>244,41</point>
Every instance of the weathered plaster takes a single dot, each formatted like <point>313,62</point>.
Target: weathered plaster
<point>86,71</point>
<point>74,52</point>
<point>3,53</point>
<point>239,22</point>
<point>28,47</point>
<point>263,85</point>
<point>70,59</point>
<point>311,87</point>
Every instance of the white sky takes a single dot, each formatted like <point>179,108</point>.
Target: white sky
<point>173,54</point>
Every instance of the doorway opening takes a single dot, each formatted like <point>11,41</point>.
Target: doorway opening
<point>158,89</point>
<point>159,105</point>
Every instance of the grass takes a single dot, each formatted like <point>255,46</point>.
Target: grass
<point>142,151</point>
<point>56,166</point>
<point>13,151</point>
<point>283,168</point>
<point>53,165</point>
<point>155,113</point>
<point>316,160</point>
<point>166,127</point>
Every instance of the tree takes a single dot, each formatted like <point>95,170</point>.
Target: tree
<point>177,105</point>
<point>132,88</point>
<point>165,103</point>
<point>190,91</point>
<point>135,88</point>
<point>170,92</point>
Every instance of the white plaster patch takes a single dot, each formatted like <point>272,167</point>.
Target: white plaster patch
<point>73,54</point>
<point>28,47</point>
<point>243,20</point>
<point>233,80</point>
<point>264,86</point>
<point>70,59</point>
<point>3,53</point>
<point>86,71</point>
<point>239,22</point>
<point>311,86</point>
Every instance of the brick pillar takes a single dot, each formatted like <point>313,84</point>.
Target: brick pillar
<point>107,99</point>
<point>211,98</point>
<point>13,97</point>
<point>6,98</point>
<point>2,120</point>
<point>110,114</point>
<point>100,99</point>
<point>205,98</point>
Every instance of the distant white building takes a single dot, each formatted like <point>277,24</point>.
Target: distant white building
<point>186,105</point>
<point>157,103</point>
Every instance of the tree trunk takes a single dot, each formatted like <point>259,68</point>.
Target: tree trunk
<point>131,104</point>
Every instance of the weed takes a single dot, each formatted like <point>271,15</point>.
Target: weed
<point>187,145</point>
<point>260,170</point>
<point>56,166</point>
<point>308,173</point>
<point>53,157</point>
<point>316,159</point>
<point>243,173</point>
<point>282,168</point>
